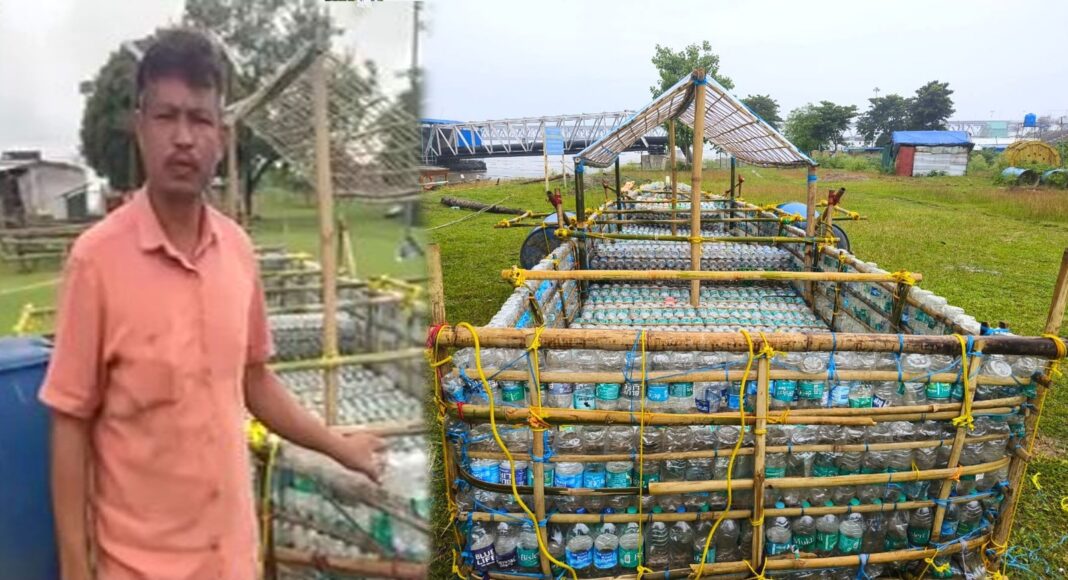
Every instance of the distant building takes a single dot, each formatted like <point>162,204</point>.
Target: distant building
<point>33,189</point>
<point>920,153</point>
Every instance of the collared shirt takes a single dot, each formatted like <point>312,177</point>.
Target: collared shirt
<point>151,346</point>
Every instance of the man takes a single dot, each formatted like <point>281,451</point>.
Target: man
<point>161,346</point>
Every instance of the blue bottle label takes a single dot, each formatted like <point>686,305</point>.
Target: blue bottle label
<point>566,480</point>
<point>507,561</point>
<point>594,479</point>
<point>657,393</point>
<point>605,559</point>
<point>505,474</point>
<point>784,391</point>
<point>488,473</point>
<point>619,479</point>
<point>579,560</point>
<point>484,558</point>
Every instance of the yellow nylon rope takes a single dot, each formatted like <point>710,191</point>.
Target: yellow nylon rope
<point>965,419</point>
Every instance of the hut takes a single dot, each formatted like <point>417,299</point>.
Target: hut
<point>32,188</point>
<point>921,153</point>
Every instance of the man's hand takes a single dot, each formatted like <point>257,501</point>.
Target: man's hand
<point>359,452</point>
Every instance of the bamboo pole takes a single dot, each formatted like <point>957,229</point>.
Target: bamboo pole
<point>1018,467</point>
<point>436,285</point>
<point>714,453</point>
<point>325,193</point>
<point>371,567</point>
<point>759,444</point>
<point>674,175</point>
<point>619,194</point>
<point>583,235</point>
<point>656,340</point>
<point>695,181</point>
<point>704,220</point>
<point>368,358</point>
<point>810,230</point>
<point>736,375</point>
<point>232,190</point>
<point>728,276</point>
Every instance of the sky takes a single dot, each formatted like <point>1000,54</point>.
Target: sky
<point>48,48</point>
<point>489,59</point>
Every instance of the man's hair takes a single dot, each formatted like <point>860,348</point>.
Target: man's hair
<point>184,54</point>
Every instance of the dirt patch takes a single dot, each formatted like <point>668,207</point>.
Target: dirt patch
<point>1049,447</point>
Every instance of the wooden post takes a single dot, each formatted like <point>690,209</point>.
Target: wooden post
<point>232,191</point>
<point>325,192</point>
<point>810,230</point>
<point>580,217</point>
<point>695,181</point>
<point>674,175</point>
<point>759,449</point>
<point>734,164</point>
<point>619,194</point>
<point>1018,466</point>
<point>545,158</point>
<point>436,285</point>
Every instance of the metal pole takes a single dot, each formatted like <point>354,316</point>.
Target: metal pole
<point>325,193</point>
<point>619,194</point>
<point>695,182</point>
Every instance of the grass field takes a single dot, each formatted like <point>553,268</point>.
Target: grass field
<point>284,219</point>
<point>988,249</point>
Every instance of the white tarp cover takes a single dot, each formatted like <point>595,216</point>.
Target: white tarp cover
<point>729,125</point>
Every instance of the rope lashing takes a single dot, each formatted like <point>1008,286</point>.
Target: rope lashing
<point>517,276</point>
<point>1062,352</point>
<point>562,233</point>
<point>904,277</point>
<point>965,419</point>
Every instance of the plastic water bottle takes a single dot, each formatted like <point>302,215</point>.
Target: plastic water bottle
<point>504,548</point>
<point>827,533</point>
<point>527,551</point>
<point>568,474</point>
<point>851,534</point>
<point>708,397</point>
<point>560,395</point>
<point>920,528</point>
<point>656,397</point>
<point>779,537</point>
<point>629,544</point>
<point>950,523</point>
<point>513,394</point>
<point>897,532</point>
<point>885,394</point>
<point>804,534</point>
<point>658,545</point>
<point>682,538</point>
<point>861,395</point>
<point>606,545</point>
<point>482,548</point>
<point>585,397</point>
<point>700,536</point>
<point>607,396</point>
<point>783,394</point>
<point>726,540</point>
<point>579,548</point>
<point>875,535</point>
<point>971,516</point>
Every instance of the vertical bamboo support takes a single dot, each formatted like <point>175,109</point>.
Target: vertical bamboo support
<point>759,446</point>
<point>436,284</point>
<point>232,191</point>
<point>734,178</point>
<point>674,176</point>
<point>695,181</point>
<point>1018,465</point>
<point>538,469</point>
<point>897,314</point>
<point>810,231</point>
<point>974,362</point>
<point>325,193</point>
<point>619,193</point>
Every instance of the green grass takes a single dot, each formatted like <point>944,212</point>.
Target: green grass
<point>991,250</point>
<point>283,218</point>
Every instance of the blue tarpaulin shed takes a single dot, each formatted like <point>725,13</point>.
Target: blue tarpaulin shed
<point>933,138</point>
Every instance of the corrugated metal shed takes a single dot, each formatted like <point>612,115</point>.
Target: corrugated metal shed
<point>948,160</point>
<point>920,153</point>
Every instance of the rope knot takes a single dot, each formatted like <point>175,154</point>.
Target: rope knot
<point>562,233</point>
<point>517,276</point>
<point>904,277</point>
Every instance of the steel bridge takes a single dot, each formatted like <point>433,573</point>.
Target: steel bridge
<point>444,141</point>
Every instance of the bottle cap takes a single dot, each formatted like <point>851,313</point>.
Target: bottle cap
<point>632,510</point>
<point>806,504</point>
<point>828,503</point>
<point>780,504</point>
<point>657,510</point>
<point>681,509</point>
<point>705,507</point>
<point>854,501</point>
<point>581,510</point>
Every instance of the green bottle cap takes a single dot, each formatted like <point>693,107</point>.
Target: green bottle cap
<point>828,503</point>
<point>854,501</point>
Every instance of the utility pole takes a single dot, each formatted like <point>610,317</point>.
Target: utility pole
<point>417,5</point>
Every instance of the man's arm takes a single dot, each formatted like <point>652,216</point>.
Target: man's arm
<point>70,463</point>
<point>276,408</point>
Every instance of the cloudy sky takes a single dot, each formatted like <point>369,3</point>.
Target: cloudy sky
<point>488,59</point>
<point>48,48</point>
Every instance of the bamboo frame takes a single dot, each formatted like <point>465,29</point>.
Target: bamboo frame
<point>674,175</point>
<point>371,567</point>
<point>695,181</point>
<point>582,235</point>
<point>714,275</point>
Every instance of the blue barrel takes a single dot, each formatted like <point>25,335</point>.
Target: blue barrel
<point>796,207</point>
<point>27,537</point>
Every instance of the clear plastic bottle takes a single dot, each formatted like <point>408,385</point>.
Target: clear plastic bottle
<point>681,398</point>
<point>861,395</point>
<point>607,396</point>
<point>726,539</point>
<point>527,551</point>
<point>827,533</point>
<point>504,547</point>
<point>513,394</point>
<point>897,531</point>
<point>560,395</point>
<point>971,515</point>
<point>851,534</point>
<point>585,396</point>
<point>875,535</point>
<point>656,397</point>
<point>579,548</point>
<point>658,545</point>
<point>783,394</point>
<point>886,394</point>
<point>779,537</point>
<point>804,534</point>
<point>482,552</point>
<point>700,536</point>
<point>606,545</point>
<point>682,538</point>
<point>569,474</point>
<point>708,397</point>
<point>629,546</point>
<point>950,522</point>
<point>920,527</point>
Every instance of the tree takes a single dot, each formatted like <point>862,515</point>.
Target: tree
<point>884,116</point>
<point>260,34</point>
<point>815,127</point>
<point>931,107</point>
<point>672,66</point>
<point>766,107</point>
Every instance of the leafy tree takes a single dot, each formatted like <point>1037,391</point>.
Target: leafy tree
<point>107,122</point>
<point>931,107</point>
<point>884,116</point>
<point>816,127</point>
<point>672,66</point>
<point>766,107</point>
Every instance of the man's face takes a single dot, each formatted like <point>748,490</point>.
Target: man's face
<point>181,135</point>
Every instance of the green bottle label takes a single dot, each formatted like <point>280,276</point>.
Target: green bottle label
<point>894,542</point>
<point>919,536</point>
<point>513,392</point>
<point>810,390</point>
<point>771,472</point>
<point>648,478</point>
<point>826,541</point>
<point>619,479</point>
<point>528,557</point>
<point>825,470</point>
<point>805,542</point>
<point>710,558</point>
<point>629,558</point>
<point>939,391</point>
<point>860,402</point>
<point>681,389</point>
<point>607,391</point>
<point>848,544</point>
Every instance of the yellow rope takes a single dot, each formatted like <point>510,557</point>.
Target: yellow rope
<point>504,448</point>
<point>756,575</point>
<point>734,455</point>
<point>904,277</point>
<point>517,277</point>
<point>535,418</point>
<point>1062,352</point>
<point>562,233</point>
<point>965,419</point>
<point>938,568</point>
<point>454,510</point>
<point>1034,480</point>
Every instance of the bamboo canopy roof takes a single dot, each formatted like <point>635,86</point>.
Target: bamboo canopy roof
<point>729,125</point>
